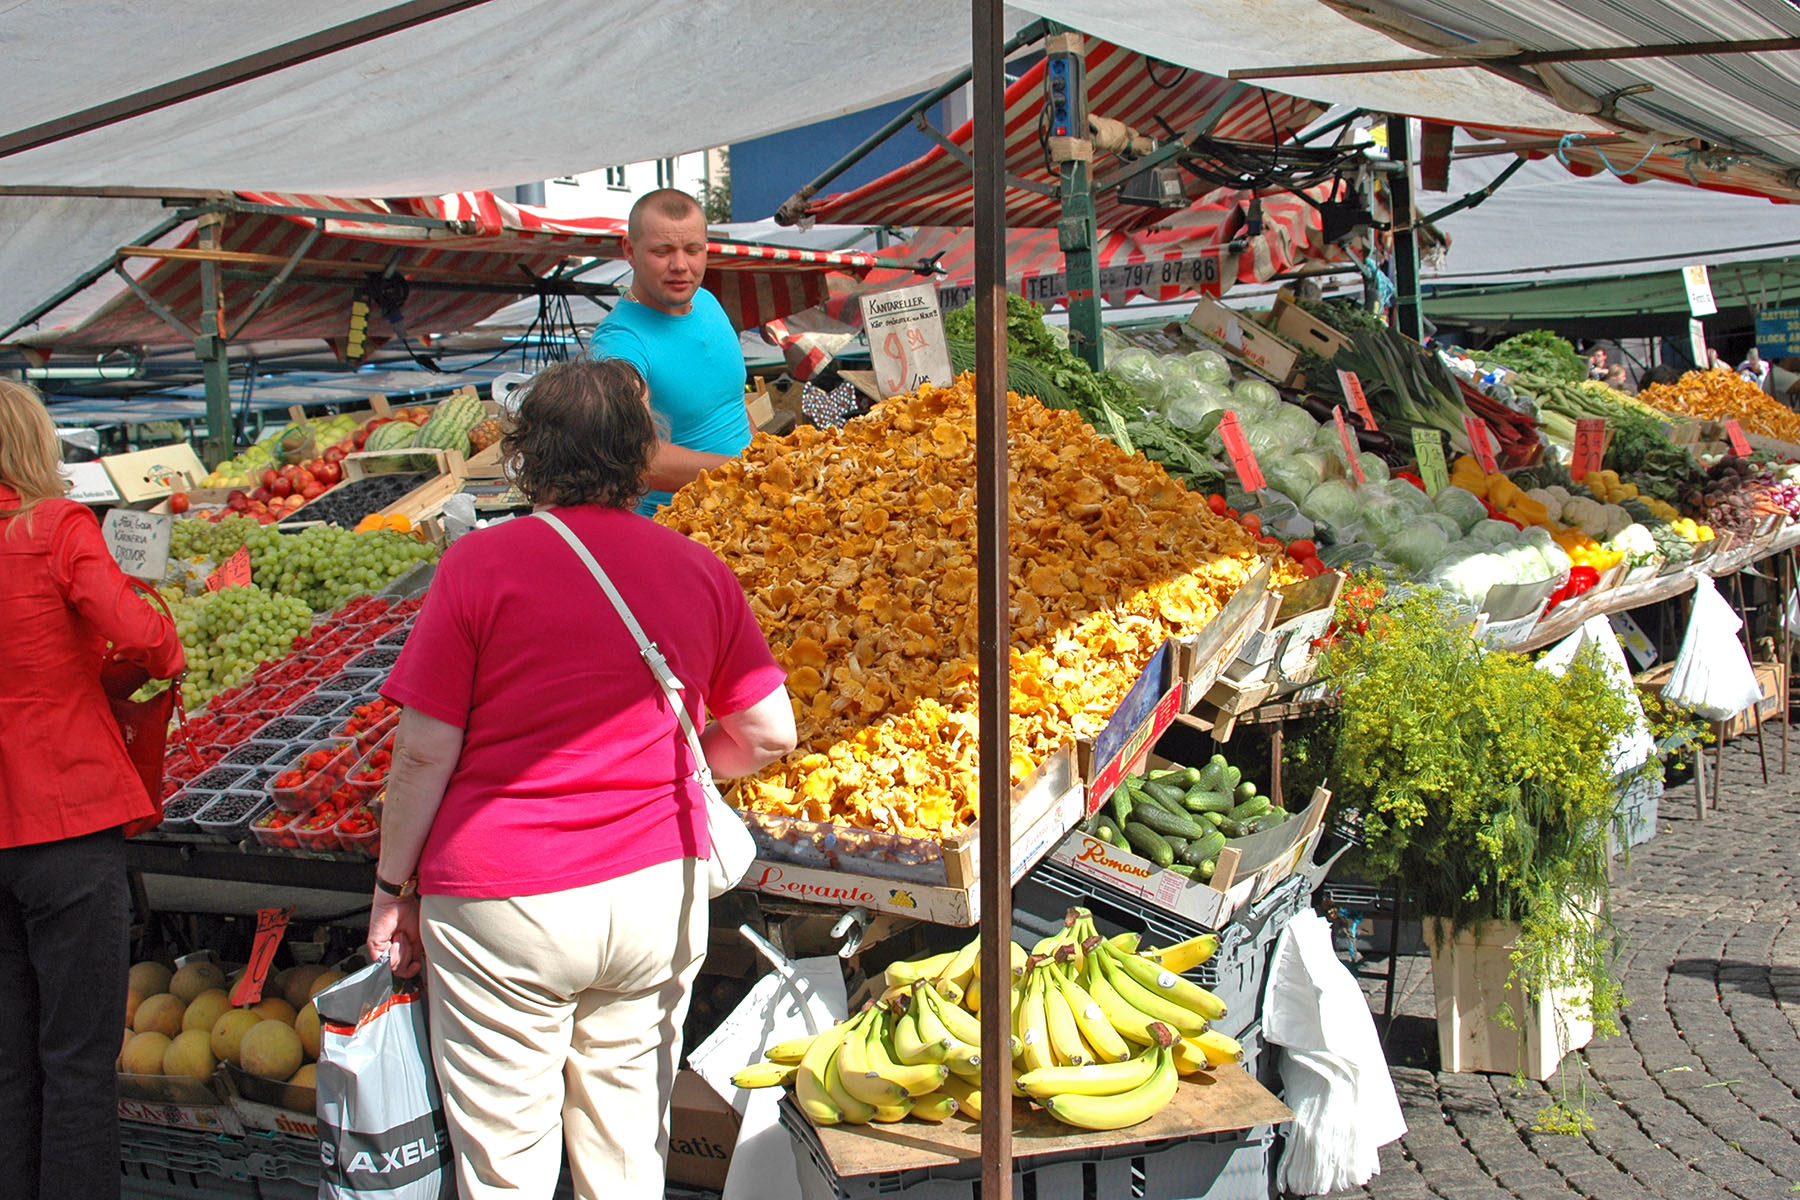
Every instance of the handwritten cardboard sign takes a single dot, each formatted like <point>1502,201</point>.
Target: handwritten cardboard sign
<point>1428,448</point>
<point>906,339</point>
<point>138,541</point>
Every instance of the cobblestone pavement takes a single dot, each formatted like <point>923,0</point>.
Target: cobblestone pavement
<point>1699,1095</point>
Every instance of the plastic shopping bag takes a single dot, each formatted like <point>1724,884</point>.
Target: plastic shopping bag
<point>381,1119</point>
<point>1712,676</point>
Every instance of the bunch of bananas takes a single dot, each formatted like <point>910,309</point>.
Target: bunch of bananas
<point>1100,1033</point>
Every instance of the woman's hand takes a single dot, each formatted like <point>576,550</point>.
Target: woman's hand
<point>394,934</point>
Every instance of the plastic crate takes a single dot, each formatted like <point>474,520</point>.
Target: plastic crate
<point>272,827</point>
<point>394,638</point>
<point>376,658</point>
<point>290,729</point>
<point>1235,973</point>
<point>320,704</point>
<point>352,835</point>
<point>353,682</point>
<point>253,753</point>
<point>1226,1166</point>
<point>229,817</point>
<point>158,1161</point>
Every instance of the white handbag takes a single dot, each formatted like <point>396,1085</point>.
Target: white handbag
<point>733,849</point>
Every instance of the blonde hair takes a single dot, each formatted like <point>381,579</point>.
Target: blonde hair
<point>30,459</point>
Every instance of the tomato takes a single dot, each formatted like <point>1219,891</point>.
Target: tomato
<point>1303,548</point>
<point>1252,522</point>
<point>1216,502</point>
<point>1312,567</point>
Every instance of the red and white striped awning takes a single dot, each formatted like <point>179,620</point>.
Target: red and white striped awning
<point>1123,85</point>
<point>487,253</point>
<point>1635,158</point>
<point>1203,249</point>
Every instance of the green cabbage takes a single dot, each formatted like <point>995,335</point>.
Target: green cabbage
<point>1462,506</point>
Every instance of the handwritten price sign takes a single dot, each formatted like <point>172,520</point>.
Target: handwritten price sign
<point>1590,446</point>
<point>1734,433</point>
<point>233,572</point>
<point>906,339</point>
<point>271,926</point>
<point>1243,459</point>
<point>1343,428</point>
<point>1428,448</point>
<point>1359,399</point>
<point>1481,444</point>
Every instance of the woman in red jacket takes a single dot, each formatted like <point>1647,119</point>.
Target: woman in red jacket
<point>66,787</point>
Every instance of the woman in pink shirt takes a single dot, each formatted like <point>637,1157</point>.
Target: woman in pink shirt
<point>543,841</point>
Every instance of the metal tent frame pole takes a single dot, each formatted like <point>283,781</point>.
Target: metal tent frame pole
<point>993,559</point>
<point>1408,317</point>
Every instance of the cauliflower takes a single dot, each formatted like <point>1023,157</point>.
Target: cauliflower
<point>1635,543</point>
<point>1550,500</point>
<point>1587,515</point>
<point>1616,519</point>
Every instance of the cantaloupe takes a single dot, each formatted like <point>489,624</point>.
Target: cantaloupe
<point>205,1010</point>
<point>272,1050</point>
<point>190,1054</point>
<point>162,1014</point>
<point>228,1032</point>
<point>143,1054</point>
<point>306,1024</point>
<point>274,1008</point>
<point>195,978</point>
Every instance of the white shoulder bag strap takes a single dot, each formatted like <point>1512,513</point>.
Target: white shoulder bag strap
<point>732,847</point>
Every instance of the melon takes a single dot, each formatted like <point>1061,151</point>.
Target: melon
<point>306,1077</point>
<point>161,1013</point>
<point>190,1054</point>
<point>297,988</point>
<point>195,978</point>
<point>274,1008</point>
<point>227,1034</point>
<point>306,1024</point>
<point>205,1010</point>
<point>272,1050</point>
<point>143,1054</point>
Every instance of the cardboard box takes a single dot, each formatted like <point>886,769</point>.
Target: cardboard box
<point>153,474</point>
<point>1244,340</point>
<point>1147,710</point>
<point>703,1131</point>
<point>177,1102</point>
<point>1205,655</point>
<point>1305,330</point>
<point>1247,868</point>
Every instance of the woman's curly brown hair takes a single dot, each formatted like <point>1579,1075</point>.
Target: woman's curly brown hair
<point>583,434</point>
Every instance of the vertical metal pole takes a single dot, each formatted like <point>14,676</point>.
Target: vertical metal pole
<point>210,346</point>
<point>993,552</point>
<point>1407,315</point>
<point>1066,78</point>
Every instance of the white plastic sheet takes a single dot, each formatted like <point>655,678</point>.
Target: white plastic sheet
<point>777,1008</point>
<point>1634,747</point>
<point>1712,676</point>
<point>1332,1065</point>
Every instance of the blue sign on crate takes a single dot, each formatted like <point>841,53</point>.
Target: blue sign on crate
<point>1138,704</point>
<point>1778,332</point>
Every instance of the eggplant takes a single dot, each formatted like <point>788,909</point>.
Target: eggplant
<point>1374,441</point>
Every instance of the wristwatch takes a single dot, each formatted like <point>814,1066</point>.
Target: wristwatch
<point>405,890</point>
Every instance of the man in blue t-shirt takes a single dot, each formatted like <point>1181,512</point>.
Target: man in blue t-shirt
<point>674,332</point>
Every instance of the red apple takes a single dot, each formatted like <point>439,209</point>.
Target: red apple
<point>313,490</point>
<point>178,502</point>
<point>237,501</point>
<point>330,473</point>
<point>268,476</point>
<point>261,493</point>
<point>334,455</point>
<point>282,485</point>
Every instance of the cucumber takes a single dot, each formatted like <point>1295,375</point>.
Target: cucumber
<point>1208,867</point>
<point>1207,847</point>
<point>1250,809</point>
<point>1190,778</point>
<point>1212,817</point>
<point>1149,843</point>
<point>1090,825</point>
<point>1198,801</point>
<point>1163,772</point>
<point>1244,791</point>
<point>1165,794</point>
<point>1107,831</point>
<point>1212,774</point>
<point>1167,823</point>
<point>1232,778</point>
<point>1234,829</point>
<point>1177,843</point>
<point>1187,870</point>
<point>1120,805</point>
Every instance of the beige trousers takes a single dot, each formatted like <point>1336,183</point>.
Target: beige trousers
<point>557,1018</point>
